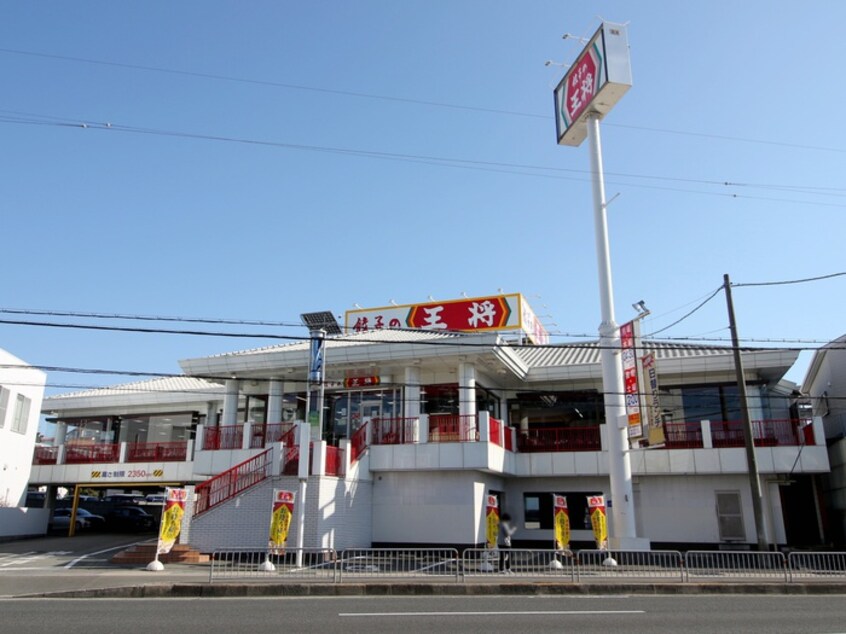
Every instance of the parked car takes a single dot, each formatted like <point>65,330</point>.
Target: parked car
<point>130,518</point>
<point>156,498</point>
<point>62,518</point>
<point>97,522</point>
<point>123,498</point>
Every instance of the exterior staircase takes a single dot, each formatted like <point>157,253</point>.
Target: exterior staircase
<point>146,552</point>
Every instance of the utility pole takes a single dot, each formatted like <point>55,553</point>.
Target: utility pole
<point>748,436</point>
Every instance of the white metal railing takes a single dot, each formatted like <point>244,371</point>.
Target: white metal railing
<point>300,564</point>
<point>399,562</point>
<point>483,562</point>
<point>816,566</point>
<point>718,565</point>
<point>628,564</point>
<point>584,566</point>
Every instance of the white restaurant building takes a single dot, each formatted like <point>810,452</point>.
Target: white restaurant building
<point>420,425</point>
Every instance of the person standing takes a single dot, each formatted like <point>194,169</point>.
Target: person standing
<point>506,530</point>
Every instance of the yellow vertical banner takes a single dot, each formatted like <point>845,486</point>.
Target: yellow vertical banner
<point>561,521</point>
<point>280,520</point>
<point>598,520</point>
<point>492,521</point>
<point>171,523</point>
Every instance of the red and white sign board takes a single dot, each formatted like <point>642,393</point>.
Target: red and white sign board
<point>628,335</point>
<point>594,83</point>
<point>474,314</point>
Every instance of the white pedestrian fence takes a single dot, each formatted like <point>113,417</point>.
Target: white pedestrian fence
<point>585,566</point>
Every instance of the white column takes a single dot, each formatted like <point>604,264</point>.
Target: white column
<point>212,408</point>
<point>247,436</point>
<point>484,426</point>
<point>411,400</point>
<point>707,438</point>
<point>318,461</point>
<point>230,402</point>
<point>466,389</point>
<point>423,428</point>
<point>61,432</point>
<point>274,401</point>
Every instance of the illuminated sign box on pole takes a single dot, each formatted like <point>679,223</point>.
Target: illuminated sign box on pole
<point>594,83</point>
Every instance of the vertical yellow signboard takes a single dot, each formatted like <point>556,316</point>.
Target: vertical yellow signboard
<point>280,520</point>
<point>598,520</point>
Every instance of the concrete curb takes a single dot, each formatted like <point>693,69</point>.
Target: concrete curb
<point>200,590</point>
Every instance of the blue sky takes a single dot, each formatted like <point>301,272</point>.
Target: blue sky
<point>233,181</point>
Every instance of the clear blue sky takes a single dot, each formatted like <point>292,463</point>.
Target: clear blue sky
<point>265,222</point>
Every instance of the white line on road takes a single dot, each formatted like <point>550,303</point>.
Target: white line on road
<point>492,613</point>
<point>72,563</point>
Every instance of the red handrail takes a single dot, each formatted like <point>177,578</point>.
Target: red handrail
<point>91,453</point>
<point>224,437</point>
<point>334,461</point>
<point>358,442</point>
<point>45,455</point>
<point>509,438</point>
<point>496,425</point>
<point>682,435</point>
<point>231,482</point>
<point>157,451</point>
<point>765,433</point>
<point>555,439</point>
<point>393,431</point>
<point>452,428</point>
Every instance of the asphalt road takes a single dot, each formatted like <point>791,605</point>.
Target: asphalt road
<point>630,614</point>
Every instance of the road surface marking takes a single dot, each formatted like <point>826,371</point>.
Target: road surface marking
<point>493,613</point>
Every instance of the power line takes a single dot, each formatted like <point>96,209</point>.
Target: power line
<point>486,166</point>
<point>802,281</point>
<point>407,100</point>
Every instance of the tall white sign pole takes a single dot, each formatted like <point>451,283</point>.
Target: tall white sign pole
<point>594,83</point>
<point>622,529</point>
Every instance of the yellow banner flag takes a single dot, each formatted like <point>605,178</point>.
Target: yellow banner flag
<point>561,522</point>
<point>171,524</point>
<point>598,520</point>
<point>280,520</point>
<point>492,521</point>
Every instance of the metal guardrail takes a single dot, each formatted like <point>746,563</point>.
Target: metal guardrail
<point>661,565</point>
<point>399,562</point>
<point>816,566</point>
<point>482,562</point>
<point>296,564</point>
<point>719,565</point>
<point>444,564</point>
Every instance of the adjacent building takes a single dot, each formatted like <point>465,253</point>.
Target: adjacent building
<point>21,392</point>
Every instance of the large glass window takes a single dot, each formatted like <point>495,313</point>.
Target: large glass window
<point>556,409</point>
<point>22,405</point>
<point>348,411</point>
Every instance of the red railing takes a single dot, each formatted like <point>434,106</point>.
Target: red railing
<point>257,435</point>
<point>45,455</point>
<point>230,483</point>
<point>496,425</point>
<point>766,433</point>
<point>509,438</point>
<point>585,438</point>
<point>292,452</point>
<point>157,451</point>
<point>358,442</point>
<point>225,437</point>
<point>275,432</point>
<point>89,454</point>
<point>393,431</point>
<point>683,435</point>
<point>334,461</point>
<point>452,428</point>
